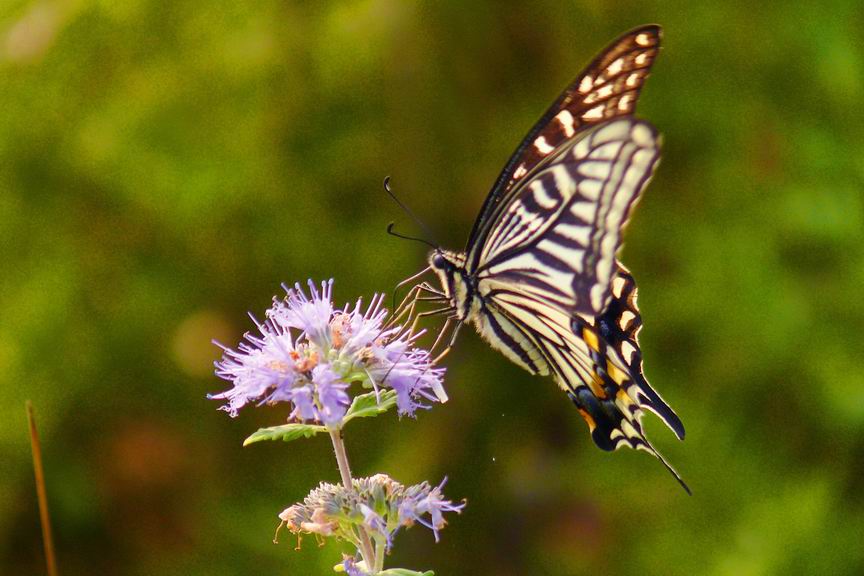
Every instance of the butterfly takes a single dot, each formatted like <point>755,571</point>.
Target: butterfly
<point>540,279</point>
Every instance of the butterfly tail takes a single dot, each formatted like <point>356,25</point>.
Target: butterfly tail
<point>651,400</point>
<point>615,423</point>
<point>619,327</point>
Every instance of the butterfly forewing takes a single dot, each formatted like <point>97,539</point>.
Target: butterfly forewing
<point>558,237</point>
<point>608,88</point>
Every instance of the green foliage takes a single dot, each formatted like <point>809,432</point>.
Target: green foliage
<point>285,432</point>
<point>371,404</point>
<point>165,165</point>
<point>363,406</point>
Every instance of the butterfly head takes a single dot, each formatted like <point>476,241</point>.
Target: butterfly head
<point>455,281</point>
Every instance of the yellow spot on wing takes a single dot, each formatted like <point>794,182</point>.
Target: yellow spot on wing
<point>594,113</point>
<point>520,171</point>
<point>542,146</point>
<point>624,102</point>
<point>590,338</point>
<point>615,373</point>
<point>567,122</point>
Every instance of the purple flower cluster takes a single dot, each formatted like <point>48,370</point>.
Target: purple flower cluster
<point>308,353</point>
<point>379,504</point>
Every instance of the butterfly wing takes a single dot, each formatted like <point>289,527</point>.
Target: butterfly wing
<point>557,239</point>
<point>591,360</point>
<point>548,273</point>
<point>542,253</point>
<point>608,88</point>
<point>619,327</point>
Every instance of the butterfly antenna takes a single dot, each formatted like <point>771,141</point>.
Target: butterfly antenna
<point>404,237</point>
<point>410,213</point>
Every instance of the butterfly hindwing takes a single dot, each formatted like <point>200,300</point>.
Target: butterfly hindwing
<point>587,366</point>
<point>608,88</point>
<point>585,357</point>
<point>619,326</point>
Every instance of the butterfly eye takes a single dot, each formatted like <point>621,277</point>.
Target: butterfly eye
<point>439,262</point>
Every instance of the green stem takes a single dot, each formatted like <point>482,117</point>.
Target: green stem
<point>366,549</point>
<point>41,494</point>
<point>380,550</point>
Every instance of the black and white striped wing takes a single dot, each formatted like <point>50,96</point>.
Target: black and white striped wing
<point>606,89</point>
<point>557,240</point>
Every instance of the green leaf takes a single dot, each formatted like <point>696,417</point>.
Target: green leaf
<point>286,433</point>
<point>371,404</point>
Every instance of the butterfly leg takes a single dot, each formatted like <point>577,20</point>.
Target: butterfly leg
<point>429,314</point>
<point>406,306</point>
<point>426,287</point>
<point>412,278</point>
<point>442,396</point>
<point>438,389</point>
<point>441,333</point>
<point>450,344</point>
<point>397,310</point>
<point>409,303</point>
<point>403,283</point>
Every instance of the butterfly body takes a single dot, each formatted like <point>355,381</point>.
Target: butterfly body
<point>540,279</point>
<point>470,306</point>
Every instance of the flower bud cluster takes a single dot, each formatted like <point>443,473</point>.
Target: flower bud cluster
<point>379,504</point>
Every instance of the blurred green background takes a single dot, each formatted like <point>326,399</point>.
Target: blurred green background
<point>165,165</point>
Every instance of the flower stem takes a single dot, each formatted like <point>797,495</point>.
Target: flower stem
<point>41,497</point>
<point>366,549</point>
<point>380,550</point>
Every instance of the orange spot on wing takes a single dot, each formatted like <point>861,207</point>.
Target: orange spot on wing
<point>588,419</point>
<point>596,386</point>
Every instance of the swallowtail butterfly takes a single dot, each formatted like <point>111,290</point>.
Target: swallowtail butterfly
<point>539,278</point>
